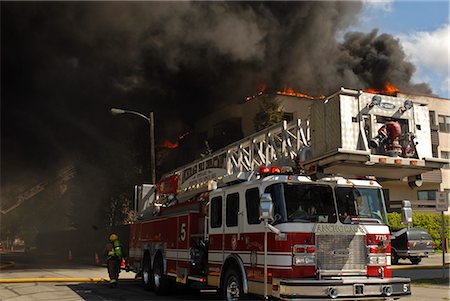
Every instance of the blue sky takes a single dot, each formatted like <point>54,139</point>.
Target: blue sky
<point>424,32</point>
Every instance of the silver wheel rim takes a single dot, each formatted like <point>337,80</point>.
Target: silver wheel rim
<point>146,277</point>
<point>157,276</point>
<point>232,289</point>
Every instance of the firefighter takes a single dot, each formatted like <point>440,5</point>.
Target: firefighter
<point>114,252</point>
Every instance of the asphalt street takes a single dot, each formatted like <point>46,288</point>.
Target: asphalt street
<point>75,282</point>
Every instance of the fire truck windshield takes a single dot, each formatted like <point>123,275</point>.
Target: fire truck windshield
<point>305,203</point>
<point>356,204</point>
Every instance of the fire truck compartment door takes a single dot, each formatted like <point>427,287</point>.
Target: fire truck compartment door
<point>216,227</point>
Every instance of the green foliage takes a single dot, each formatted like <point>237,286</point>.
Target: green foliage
<point>270,113</point>
<point>428,221</point>
<point>395,220</point>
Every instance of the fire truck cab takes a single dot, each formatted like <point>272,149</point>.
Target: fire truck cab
<point>283,214</point>
<point>332,240</point>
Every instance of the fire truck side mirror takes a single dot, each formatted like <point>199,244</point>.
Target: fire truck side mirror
<point>266,207</point>
<point>406,212</point>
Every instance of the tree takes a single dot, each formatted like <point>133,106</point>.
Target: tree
<point>270,112</point>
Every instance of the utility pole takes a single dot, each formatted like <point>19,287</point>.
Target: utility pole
<point>152,149</point>
<point>151,121</point>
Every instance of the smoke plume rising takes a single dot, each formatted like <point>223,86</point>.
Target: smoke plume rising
<point>65,64</point>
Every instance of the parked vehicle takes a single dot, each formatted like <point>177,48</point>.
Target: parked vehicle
<point>412,243</point>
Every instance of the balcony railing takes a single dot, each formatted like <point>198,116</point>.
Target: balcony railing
<point>421,206</point>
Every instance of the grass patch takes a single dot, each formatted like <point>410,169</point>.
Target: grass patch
<point>435,281</point>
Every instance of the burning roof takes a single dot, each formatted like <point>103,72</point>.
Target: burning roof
<point>287,91</point>
<point>388,89</point>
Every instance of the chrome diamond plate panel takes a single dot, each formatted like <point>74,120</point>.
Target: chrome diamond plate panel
<point>338,254</point>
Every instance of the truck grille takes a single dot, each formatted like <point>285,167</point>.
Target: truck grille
<point>341,254</point>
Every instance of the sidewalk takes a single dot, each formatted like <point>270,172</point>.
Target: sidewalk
<point>78,274</point>
<point>431,262</point>
<point>44,268</point>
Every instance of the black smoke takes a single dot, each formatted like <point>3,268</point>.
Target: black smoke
<point>65,64</point>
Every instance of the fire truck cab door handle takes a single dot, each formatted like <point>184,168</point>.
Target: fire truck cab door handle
<point>240,214</point>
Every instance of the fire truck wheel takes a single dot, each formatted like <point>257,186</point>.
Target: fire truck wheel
<point>232,289</point>
<point>147,276</point>
<point>394,257</point>
<point>161,283</point>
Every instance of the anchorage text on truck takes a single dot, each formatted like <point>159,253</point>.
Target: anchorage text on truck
<point>288,212</point>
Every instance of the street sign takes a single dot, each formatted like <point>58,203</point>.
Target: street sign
<point>442,201</point>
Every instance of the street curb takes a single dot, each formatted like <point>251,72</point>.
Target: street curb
<point>32,280</point>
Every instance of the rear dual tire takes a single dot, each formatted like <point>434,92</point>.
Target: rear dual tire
<point>147,275</point>
<point>161,283</point>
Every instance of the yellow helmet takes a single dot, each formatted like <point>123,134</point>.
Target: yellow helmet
<point>113,237</point>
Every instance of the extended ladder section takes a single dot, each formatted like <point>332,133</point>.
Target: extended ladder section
<point>349,133</point>
<point>63,176</point>
<point>277,145</point>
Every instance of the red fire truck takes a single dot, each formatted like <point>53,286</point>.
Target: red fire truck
<point>284,213</point>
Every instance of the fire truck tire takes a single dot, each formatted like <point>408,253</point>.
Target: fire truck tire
<point>232,285</point>
<point>394,257</point>
<point>161,283</point>
<point>147,275</point>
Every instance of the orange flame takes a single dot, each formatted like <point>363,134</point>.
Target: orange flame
<point>388,89</point>
<point>171,145</point>
<point>183,136</point>
<point>261,91</point>
<point>291,92</point>
<point>168,144</point>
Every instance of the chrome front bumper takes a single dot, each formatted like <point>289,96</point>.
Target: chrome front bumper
<point>360,288</point>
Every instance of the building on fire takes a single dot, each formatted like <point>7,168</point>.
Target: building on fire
<point>236,121</point>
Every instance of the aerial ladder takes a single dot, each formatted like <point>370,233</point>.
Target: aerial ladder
<point>350,133</point>
<point>62,177</point>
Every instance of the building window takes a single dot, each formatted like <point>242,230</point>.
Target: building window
<point>445,155</point>
<point>432,119</point>
<point>444,123</point>
<point>252,206</point>
<point>425,195</point>
<point>232,209</point>
<point>216,212</point>
<point>434,150</point>
<point>288,116</point>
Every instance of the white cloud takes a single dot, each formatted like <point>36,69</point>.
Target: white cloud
<point>429,51</point>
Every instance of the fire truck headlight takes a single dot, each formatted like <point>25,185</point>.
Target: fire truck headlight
<point>377,260</point>
<point>304,260</point>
